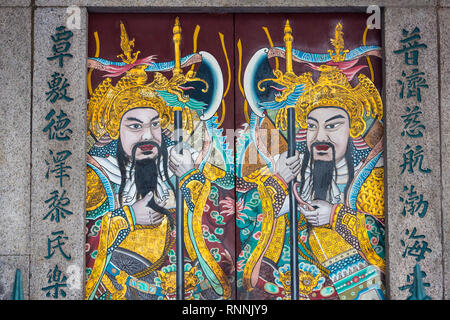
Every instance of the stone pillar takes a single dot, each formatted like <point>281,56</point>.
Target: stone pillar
<point>15,152</point>
<point>444,72</point>
<point>413,154</point>
<point>58,155</point>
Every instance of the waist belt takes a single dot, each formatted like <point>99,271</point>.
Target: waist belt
<point>133,282</point>
<point>144,286</point>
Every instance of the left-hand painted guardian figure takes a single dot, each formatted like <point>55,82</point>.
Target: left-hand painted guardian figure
<point>131,166</point>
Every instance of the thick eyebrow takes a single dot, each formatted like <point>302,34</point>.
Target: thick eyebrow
<point>311,118</point>
<point>335,117</point>
<point>154,118</point>
<point>134,119</point>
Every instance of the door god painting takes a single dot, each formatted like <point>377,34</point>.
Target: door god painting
<point>136,165</point>
<point>334,174</point>
<point>289,206</point>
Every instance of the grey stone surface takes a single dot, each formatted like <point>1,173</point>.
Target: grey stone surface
<point>402,264</point>
<point>74,70</point>
<point>15,123</point>
<point>233,3</point>
<point>15,97</point>
<point>8,267</point>
<point>444,18</point>
<point>15,3</point>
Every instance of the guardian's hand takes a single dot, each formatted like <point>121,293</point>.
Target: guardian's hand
<point>147,216</point>
<point>288,168</point>
<point>320,215</point>
<point>180,163</point>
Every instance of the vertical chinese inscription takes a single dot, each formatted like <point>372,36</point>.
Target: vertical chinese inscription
<point>57,127</point>
<point>411,82</point>
<point>58,121</point>
<point>413,157</point>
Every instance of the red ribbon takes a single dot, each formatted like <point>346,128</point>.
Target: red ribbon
<point>115,71</point>
<point>347,67</point>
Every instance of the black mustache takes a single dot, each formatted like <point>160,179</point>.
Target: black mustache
<point>139,144</point>
<point>144,143</point>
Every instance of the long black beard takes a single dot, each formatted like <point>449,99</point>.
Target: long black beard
<point>146,173</point>
<point>322,171</point>
<point>322,175</point>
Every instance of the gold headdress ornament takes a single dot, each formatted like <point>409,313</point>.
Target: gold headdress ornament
<point>332,89</point>
<point>338,43</point>
<point>108,103</point>
<point>127,47</point>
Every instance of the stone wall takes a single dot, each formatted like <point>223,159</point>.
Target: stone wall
<point>26,150</point>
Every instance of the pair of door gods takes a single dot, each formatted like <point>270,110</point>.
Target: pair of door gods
<point>245,134</point>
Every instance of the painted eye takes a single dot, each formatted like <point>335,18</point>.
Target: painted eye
<point>332,125</point>
<point>135,126</point>
<point>311,126</point>
<point>155,124</point>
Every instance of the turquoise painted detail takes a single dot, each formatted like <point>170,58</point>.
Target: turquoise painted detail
<point>349,282</point>
<point>17,293</point>
<point>291,99</point>
<point>360,178</point>
<point>157,66</point>
<point>215,283</point>
<point>325,57</point>
<point>109,191</point>
<point>172,100</point>
<point>220,144</point>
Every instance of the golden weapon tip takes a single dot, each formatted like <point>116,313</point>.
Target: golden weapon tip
<point>287,27</point>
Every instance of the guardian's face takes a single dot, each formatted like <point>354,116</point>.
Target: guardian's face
<point>141,125</point>
<point>327,126</point>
